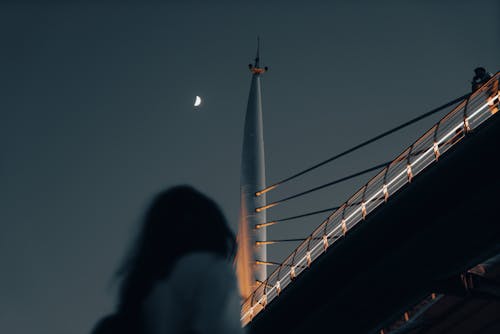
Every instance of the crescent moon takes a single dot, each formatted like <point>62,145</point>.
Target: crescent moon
<point>197,101</point>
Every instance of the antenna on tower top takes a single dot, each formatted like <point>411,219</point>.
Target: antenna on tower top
<point>257,57</point>
<point>255,68</point>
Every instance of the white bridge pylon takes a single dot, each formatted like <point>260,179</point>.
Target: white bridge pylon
<point>251,250</point>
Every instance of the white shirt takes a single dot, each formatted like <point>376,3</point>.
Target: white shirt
<point>200,295</point>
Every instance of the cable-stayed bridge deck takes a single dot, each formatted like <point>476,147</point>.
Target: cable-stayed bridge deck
<point>391,217</point>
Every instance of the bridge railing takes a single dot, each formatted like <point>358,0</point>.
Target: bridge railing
<point>465,117</point>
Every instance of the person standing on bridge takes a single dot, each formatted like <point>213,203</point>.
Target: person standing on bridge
<point>179,277</point>
<point>481,77</point>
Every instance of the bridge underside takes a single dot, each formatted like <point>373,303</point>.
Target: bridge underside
<point>470,303</point>
<point>441,224</point>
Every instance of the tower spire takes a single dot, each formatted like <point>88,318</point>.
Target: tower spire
<point>251,249</point>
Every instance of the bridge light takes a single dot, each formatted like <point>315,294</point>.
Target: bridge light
<point>292,272</point>
<point>278,287</point>
<point>386,193</point>
<point>325,242</point>
<point>493,104</point>
<point>409,172</point>
<point>436,150</point>
<point>466,125</point>
<point>265,207</point>
<point>262,192</point>
<point>308,257</point>
<point>344,227</point>
<point>363,210</point>
<point>261,243</point>
<point>258,226</point>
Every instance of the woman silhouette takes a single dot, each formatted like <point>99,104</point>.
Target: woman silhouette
<point>179,277</point>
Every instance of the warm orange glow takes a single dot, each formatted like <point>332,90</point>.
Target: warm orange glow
<point>259,243</point>
<point>436,150</point>
<point>265,207</point>
<point>363,210</point>
<point>325,242</point>
<point>493,104</point>
<point>409,173</point>
<point>265,264</point>
<point>407,316</point>
<point>257,70</point>
<point>386,193</point>
<point>292,272</point>
<point>308,257</point>
<point>466,125</point>
<point>244,259</point>
<point>263,191</point>
<point>433,295</point>
<point>494,97</point>
<point>344,227</point>
<point>264,225</point>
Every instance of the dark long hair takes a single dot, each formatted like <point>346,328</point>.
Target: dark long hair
<point>179,221</point>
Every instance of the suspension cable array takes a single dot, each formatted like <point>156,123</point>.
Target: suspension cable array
<point>329,184</point>
<point>276,221</point>
<point>365,143</point>
<point>342,179</point>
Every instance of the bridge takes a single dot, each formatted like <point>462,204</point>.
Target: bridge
<point>425,217</point>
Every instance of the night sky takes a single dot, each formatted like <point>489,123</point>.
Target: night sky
<point>96,116</point>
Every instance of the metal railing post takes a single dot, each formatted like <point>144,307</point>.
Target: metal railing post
<point>409,172</point>
<point>466,121</point>
<point>363,204</point>
<point>384,186</point>
<point>435,142</point>
<point>292,267</point>
<point>308,253</point>
<point>344,225</point>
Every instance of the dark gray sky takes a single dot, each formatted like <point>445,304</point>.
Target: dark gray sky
<point>96,116</point>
